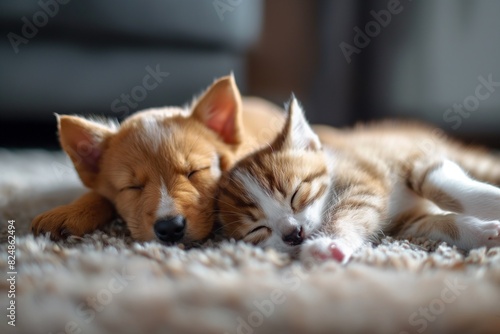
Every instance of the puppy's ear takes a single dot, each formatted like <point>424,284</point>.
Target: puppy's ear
<point>297,133</point>
<point>219,108</point>
<point>84,141</point>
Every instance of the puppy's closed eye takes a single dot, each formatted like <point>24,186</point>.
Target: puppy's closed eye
<point>192,173</point>
<point>132,187</point>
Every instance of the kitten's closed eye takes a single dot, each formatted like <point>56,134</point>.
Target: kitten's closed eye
<point>306,194</point>
<point>258,228</point>
<point>294,195</point>
<point>258,234</point>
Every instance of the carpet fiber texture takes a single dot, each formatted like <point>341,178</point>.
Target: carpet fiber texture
<point>107,283</point>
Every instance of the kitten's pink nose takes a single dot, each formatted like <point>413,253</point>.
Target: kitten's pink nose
<point>295,237</point>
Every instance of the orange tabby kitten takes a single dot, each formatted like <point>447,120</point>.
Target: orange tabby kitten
<point>326,202</point>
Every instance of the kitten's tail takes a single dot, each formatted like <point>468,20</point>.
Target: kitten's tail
<point>480,164</point>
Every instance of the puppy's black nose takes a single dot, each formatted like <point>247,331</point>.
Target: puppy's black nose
<point>170,229</point>
<point>295,238</point>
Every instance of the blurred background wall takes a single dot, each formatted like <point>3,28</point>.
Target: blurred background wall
<point>347,61</point>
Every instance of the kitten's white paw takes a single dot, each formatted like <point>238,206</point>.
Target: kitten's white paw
<point>477,233</point>
<point>324,249</point>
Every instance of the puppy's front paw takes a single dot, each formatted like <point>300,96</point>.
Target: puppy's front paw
<point>324,248</point>
<point>67,220</point>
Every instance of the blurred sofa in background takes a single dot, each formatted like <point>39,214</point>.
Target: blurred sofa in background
<point>426,61</point>
<point>422,61</point>
<point>114,57</point>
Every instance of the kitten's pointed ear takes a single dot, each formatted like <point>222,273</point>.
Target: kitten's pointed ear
<point>219,108</point>
<point>84,141</point>
<point>297,133</point>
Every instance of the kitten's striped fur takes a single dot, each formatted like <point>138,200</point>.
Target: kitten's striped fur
<point>393,178</point>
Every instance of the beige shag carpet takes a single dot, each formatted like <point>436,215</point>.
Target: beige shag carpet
<point>107,283</point>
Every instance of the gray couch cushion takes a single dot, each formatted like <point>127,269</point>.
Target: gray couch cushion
<point>234,25</point>
<point>91,52</point>
<point>68,79</point>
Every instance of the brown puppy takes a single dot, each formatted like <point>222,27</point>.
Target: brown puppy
<point>159,168</point>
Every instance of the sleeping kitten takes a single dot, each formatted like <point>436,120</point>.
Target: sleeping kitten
<point>325,202</point>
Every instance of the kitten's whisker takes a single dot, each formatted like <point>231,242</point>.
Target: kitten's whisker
<point>228,224</point>
<point>224,202</point>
